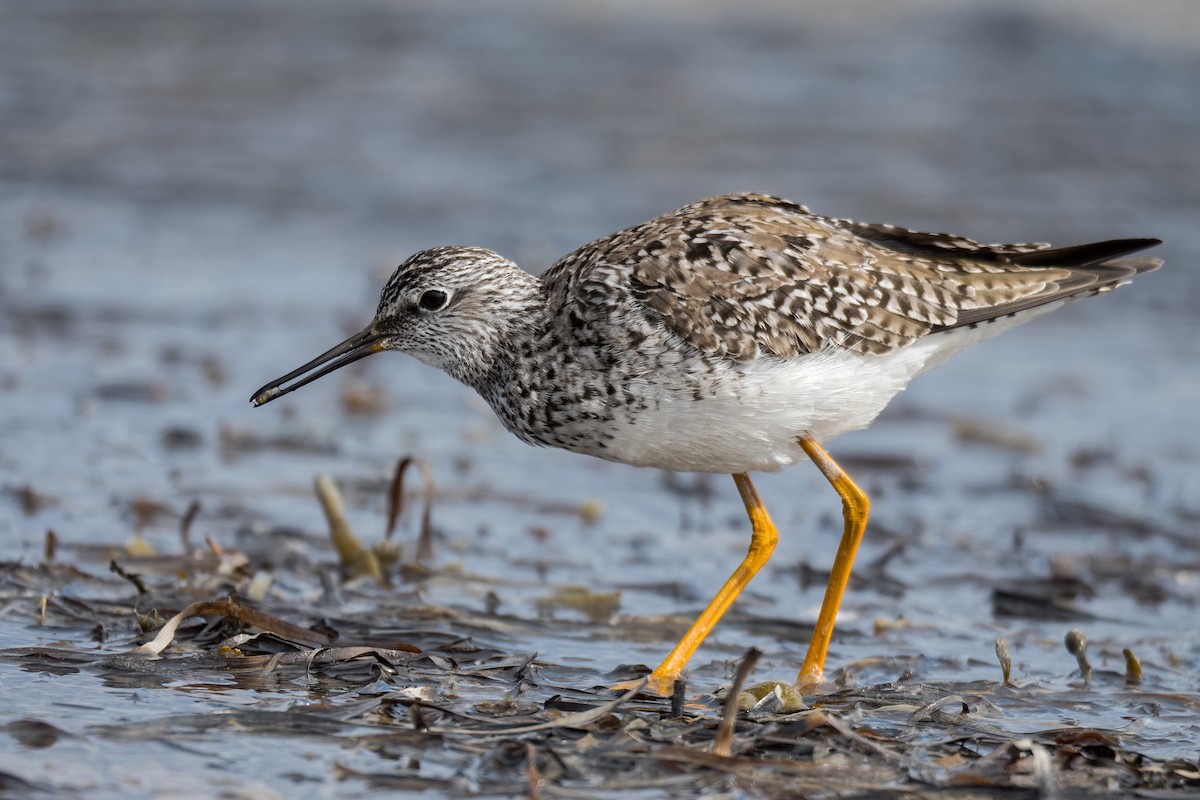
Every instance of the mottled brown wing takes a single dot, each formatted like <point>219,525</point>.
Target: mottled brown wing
<point>743,275</point>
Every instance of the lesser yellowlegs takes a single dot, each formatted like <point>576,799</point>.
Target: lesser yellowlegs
<point>733,335</point>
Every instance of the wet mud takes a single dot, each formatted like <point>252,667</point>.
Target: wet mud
<point>198,198</point>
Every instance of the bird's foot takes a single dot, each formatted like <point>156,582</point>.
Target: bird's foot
<point>663,686</point>
<point>811,678</point>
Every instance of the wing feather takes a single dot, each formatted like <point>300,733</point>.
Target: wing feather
<point>739,276</point>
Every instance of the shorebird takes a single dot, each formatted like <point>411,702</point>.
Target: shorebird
<point>734,335</point>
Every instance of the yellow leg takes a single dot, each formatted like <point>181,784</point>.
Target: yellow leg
<point>763,537</point>
<point>855,507</point>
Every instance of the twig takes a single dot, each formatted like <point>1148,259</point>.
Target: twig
<point>228,608</point>
<point>354,557</point>
<point>723,742</point>
<point>1077,644</point>
<point>536,782</point>
<point>1005,659</point>
<point>577,720</point>
<point>396,505</point>
<point>132,577</point>
<point>185,524</point>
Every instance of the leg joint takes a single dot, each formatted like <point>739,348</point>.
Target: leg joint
<point>854,498</point>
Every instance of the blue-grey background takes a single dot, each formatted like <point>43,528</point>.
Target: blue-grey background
<point>198,197</point>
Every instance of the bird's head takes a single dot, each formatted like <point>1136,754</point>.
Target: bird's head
<point>450,307</point>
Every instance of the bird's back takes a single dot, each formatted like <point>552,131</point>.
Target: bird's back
<point>739,276</point>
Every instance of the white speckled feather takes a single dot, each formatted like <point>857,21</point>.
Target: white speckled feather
<point>710,338</point>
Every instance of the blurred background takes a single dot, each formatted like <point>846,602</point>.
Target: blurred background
<point>198,197</point>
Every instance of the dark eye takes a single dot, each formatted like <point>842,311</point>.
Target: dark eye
<point>433,300</point>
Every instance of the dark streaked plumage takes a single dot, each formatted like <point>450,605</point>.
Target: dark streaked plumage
<point>735,334</point>
<point>708,338</point>
<point>740,275</point>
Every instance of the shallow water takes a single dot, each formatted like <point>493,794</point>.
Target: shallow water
<point>197,199</point>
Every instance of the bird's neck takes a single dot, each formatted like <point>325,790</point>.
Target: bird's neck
<point>518,380</point>
<point>501,350</point>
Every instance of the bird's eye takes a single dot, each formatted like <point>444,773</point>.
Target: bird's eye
<point>432,300</point>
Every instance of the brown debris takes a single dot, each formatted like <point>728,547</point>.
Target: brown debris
<point>1005,660</point>
<point>1077,643</point>
<point>598,607</point>
<point>232,610</point>
<point>363,399</point>
<point>396,505</point>
<point>132,577</point>
<point>456,702</point>
<point>723,742</point>
<point>1133,667</point>
<point>235,442</point>
<point>356,560</point>
<point>30,500</point>
<point>976,431</point>
<point>185,523</point>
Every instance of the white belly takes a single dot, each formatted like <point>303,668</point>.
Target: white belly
<point>751,422</point>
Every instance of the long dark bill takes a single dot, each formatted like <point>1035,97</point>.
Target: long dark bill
<point>360,345</point>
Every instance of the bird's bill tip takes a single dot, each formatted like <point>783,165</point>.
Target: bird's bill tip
<point>360,345</point>
<point>264,397</point>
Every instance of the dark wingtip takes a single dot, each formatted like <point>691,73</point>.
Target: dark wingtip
<point>1083,255</point>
